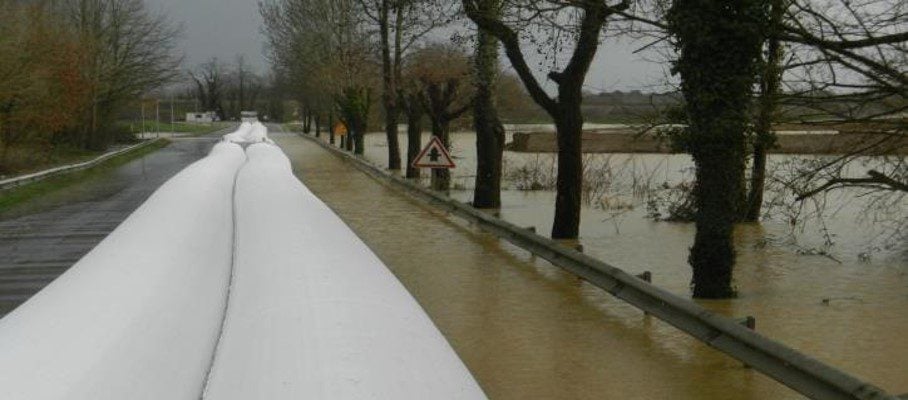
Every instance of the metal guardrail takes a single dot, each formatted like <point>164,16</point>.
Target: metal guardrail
<point>804,374</point>
<point>40,175</point>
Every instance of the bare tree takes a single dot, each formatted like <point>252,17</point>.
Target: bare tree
<point>210,83</point>
<point>400,24</point>
<point>442,73</point>
<point>322,46</point>
<point>584,21</point>
<point>848,69</point>
<point>127,51</point>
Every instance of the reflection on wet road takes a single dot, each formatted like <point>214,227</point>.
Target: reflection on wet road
<point>41,239</point>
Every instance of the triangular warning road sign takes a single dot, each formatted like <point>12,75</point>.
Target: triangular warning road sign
<point>434,155</point>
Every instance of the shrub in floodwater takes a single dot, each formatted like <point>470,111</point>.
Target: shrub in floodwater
<point>672,203</point>
<point>536,174</point>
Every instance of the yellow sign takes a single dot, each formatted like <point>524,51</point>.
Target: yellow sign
<point>340,129</point>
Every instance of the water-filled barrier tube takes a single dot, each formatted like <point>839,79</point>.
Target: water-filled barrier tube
<point>249,132</point>
<point>233,281</point>
<point>313,313</point>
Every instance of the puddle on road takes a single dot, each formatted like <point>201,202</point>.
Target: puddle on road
<point>527,330</point>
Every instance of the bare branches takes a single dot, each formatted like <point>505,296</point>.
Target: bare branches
<point>875,180</point>
<point>511,43</point>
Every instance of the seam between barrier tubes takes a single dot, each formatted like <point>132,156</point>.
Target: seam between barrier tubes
<point>217,343</point>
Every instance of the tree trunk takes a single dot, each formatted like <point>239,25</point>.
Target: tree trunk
<point>712,256</point>
<point>348,139</point>
<point>389,88</point>
<point>764,138</point>
<point>318,125</point>
<point>489,131</point>
<point>331,128</point>
<point>359,134</point>
<point>441,177</point>
<point>718,43</point>
<point>307,121</point>
<point>414,141</point>
<point>569,183</point>
<point>757,183</point>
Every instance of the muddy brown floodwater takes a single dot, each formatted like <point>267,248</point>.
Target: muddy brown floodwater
<point>527,330</point>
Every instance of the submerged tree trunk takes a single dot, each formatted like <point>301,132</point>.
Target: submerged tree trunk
<point>347,140</point>
<point>359,134</point>
<point>353,105</point>
<point>570,171</point>
<point>489,131</point>
<point>719,44</point>
<point>764,138</point>
<point>389,87</point>
<point>414,140</point>
<point>307,120</point>
<point>757,183</point>
<point>331,128</point>
<point>441,177</point>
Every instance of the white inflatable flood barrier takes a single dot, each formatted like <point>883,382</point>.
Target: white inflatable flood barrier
<point>313,313</point>
<point>239,134</point>
<point>138,317</point>
<point>249,132</point>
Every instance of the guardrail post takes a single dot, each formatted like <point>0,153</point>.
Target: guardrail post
<point>647,277</point>
<point>748,322</point>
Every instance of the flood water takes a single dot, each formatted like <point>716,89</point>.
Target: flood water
<point>849,309</point>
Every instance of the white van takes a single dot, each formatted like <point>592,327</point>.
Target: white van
<point>249,116</point>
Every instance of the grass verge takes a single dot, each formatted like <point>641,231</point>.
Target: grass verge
<point>192,129</point>
<point>20,194</point>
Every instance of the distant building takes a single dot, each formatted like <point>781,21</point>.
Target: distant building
<point>206,117</point>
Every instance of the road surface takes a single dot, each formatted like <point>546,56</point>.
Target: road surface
<point>41,239</point>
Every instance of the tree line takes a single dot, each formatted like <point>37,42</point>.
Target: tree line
<point>228,88</point>
<point>69,66</point>
<point>739,64</point>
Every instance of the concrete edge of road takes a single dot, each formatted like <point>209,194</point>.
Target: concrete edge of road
<point>26,179</point>
<point>798,371</point>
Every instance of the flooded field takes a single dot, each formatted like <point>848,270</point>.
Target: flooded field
<point>845,306</point>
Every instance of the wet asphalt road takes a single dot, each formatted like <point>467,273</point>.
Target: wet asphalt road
<point>41,239</point>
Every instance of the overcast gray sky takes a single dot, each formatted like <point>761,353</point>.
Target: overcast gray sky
<point>225,28</point>
<point>217,28</point>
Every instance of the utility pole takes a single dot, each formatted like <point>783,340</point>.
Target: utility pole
<point>172,130</point>
<point>143,117</point>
